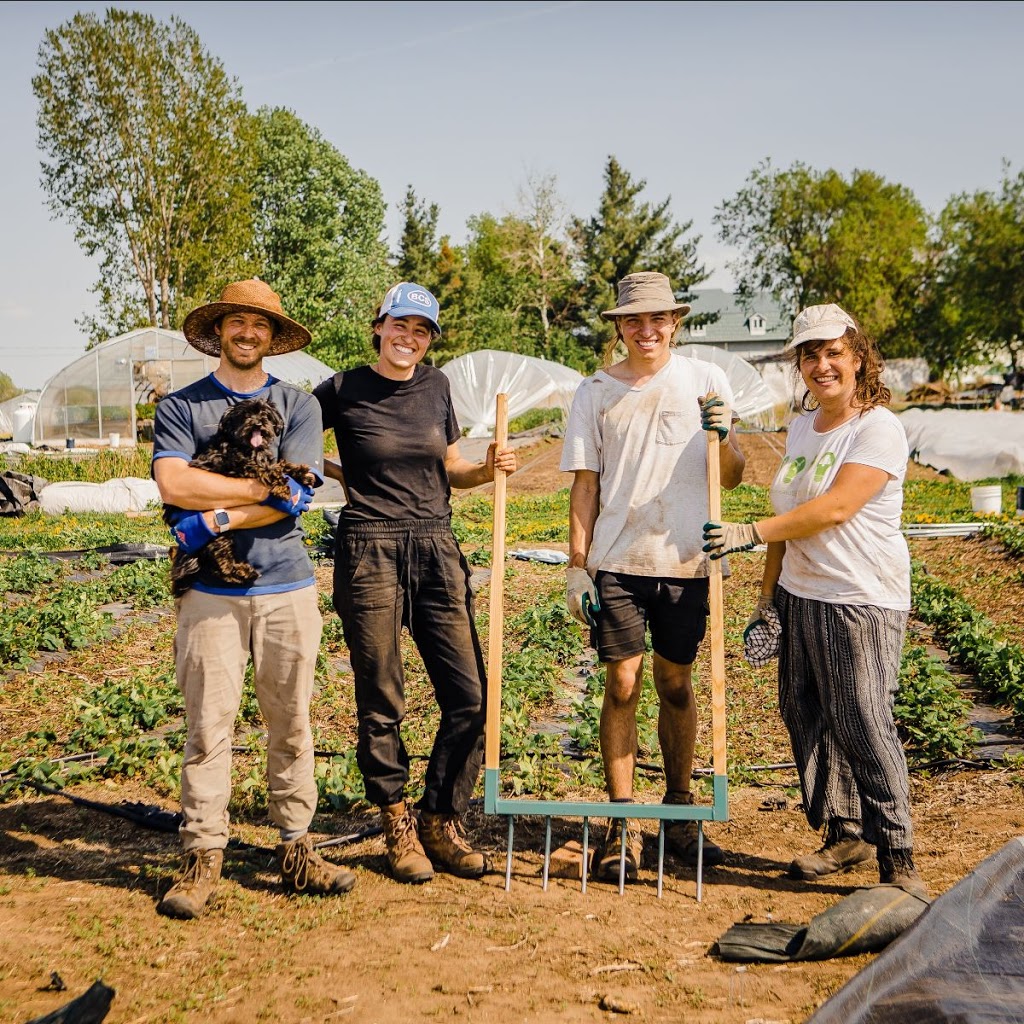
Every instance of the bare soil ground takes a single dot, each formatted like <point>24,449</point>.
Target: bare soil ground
<point>78,891</point>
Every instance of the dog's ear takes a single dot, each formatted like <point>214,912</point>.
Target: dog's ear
<point>275,417</point>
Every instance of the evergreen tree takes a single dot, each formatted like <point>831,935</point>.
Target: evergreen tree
<point>626,235</point>
<point>417,256</point>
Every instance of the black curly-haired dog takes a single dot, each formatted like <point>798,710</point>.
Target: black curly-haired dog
<point>240,448</point>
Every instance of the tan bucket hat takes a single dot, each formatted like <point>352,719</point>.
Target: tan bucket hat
<point>252,296</point>
<point>646,292</point>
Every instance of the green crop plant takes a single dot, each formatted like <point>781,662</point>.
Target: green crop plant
<point>930,712</point>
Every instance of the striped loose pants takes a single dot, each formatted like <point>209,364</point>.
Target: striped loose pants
<point>838,673</point>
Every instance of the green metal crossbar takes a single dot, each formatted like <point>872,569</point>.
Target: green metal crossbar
<point>493,801</point>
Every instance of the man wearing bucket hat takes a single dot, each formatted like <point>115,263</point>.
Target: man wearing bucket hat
<point>398,565</point>
<point>838,575</point>
<point>275,621</point>
<point>635,442</point>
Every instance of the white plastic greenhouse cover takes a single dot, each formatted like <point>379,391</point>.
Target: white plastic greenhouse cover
<point>530,383</point>
<point>750,393</point>
<point>971,444</point>
<point>96,394</point>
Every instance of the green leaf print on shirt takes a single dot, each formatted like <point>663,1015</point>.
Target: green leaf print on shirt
<point>825,462</point>
<point>795,467</point>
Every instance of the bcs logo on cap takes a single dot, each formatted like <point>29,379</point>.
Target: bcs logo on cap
<point>420,298</point>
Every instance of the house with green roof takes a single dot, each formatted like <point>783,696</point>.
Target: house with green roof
<point>751,330</point>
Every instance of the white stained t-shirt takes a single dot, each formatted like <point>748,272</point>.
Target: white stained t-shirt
<point>648,447</point>
<point>865,560</point>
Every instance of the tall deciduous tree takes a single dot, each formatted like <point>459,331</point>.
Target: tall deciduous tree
<point>813,236</point>
<point>146,156</point>
<point>318,226</point>
<point>8,389</point>
<point>980,284</point>
<point>625,235</point>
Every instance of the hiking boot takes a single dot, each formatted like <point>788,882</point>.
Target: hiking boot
<point>446,846</point>
<point>896,867</point>
<point>303,870</point>
<point>608,857</point>
<point>200,873</point>
<point>406,858</point>
<point>843,848</point>
<point>681,837</point>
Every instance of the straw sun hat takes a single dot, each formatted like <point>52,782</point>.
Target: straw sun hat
<point>253,296</point>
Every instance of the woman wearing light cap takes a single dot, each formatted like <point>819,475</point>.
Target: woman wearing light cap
<point>398,564</point>
<point>838,575</point>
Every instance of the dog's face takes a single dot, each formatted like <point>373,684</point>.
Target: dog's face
<point>253,425</point>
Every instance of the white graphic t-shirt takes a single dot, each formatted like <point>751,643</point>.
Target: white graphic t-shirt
<point>864,561</point>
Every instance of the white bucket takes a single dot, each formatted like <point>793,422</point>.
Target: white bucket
<point>987,499</point>
<point>115,440</point>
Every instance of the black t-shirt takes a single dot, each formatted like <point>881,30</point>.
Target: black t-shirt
<point>392,439</point>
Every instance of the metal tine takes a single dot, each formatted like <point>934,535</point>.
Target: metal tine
<point>700,860</point>
<point>547,851</point>
<point>661,856</point>
<point>586,850</point>
<point>508,854</point>
<point>622,857</point>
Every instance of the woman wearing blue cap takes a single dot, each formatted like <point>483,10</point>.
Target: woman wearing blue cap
<point>398,564</point>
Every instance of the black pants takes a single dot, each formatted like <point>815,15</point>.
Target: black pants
<point>411,573</point>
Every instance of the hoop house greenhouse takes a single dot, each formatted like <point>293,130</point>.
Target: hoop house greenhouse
<point>97,395</point>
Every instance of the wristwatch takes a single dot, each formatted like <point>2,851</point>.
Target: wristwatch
<point>222,519</point>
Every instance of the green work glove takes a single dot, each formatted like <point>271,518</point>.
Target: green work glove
<point>724,538</point>
<point>581,596</point>
<point>715,415</point>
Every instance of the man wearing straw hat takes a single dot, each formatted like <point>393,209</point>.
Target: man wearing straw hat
<point>275,621</point>
<point>636,445</point>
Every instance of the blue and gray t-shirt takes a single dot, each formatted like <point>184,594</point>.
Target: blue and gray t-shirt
<point>184,427</point>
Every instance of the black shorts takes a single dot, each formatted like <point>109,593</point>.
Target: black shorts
<point>675,610</point>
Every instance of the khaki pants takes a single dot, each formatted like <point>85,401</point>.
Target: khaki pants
<point>215,638</point>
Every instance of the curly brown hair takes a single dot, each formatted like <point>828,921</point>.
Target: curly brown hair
<point>870,391</point>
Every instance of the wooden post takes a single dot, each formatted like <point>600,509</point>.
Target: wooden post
<point>492,733</point>
<point>716,622</point>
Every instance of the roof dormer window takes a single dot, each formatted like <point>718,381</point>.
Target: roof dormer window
<point>756,324</point>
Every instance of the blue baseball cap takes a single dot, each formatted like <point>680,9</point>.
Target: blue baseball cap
<point>408,299</point>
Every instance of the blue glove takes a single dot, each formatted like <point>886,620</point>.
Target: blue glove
<point>715,415</point>
<point>191,533</point>
<point>299,499</point>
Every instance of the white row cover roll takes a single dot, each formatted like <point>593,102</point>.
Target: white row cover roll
<point>971,444</point>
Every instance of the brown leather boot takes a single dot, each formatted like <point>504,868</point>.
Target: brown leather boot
<point>608,857</point>
<point>303,870</point>
<point>446,846</point>
<point>843,848</point>
<point>406,858</point>
<point>200,873</point>
<point>896,867</point>
<point>681,837</point>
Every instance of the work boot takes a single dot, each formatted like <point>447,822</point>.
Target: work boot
<point>681,837</point>
<point>406,858</point>
<point>896,867</point>
<point>446,846</point>
<point>608,857</point>
<point>843,848</point>
<point>200,873</point>
<point>303,870</point>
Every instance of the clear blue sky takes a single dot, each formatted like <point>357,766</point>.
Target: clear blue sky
<point>464,100</point>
